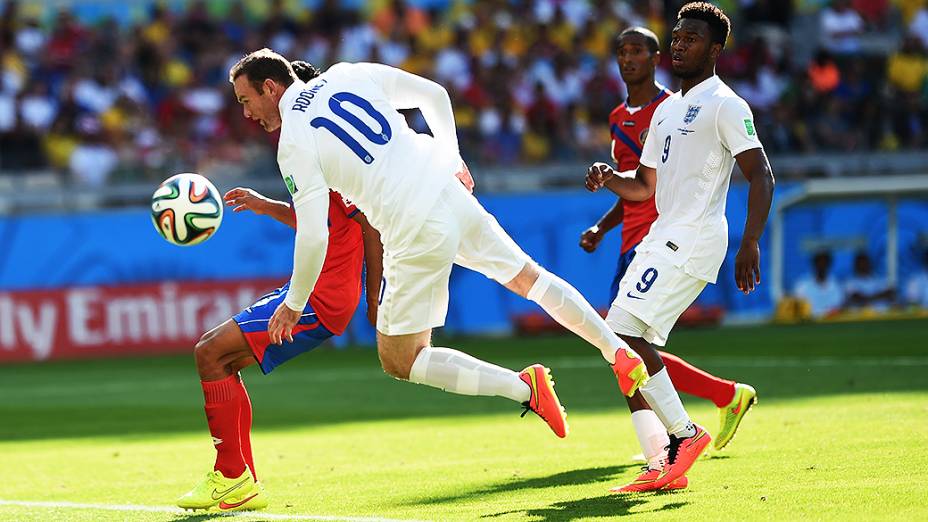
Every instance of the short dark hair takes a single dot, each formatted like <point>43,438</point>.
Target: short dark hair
<point>649,37</point>
<point>719,24</point>
<point>305,71</point>
<point>261,65</point>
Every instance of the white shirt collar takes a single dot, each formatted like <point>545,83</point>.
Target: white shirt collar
<point>702,86</point>
<point>289,95</point>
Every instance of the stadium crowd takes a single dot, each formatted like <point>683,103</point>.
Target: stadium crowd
<point>531,82</point>
<point>821,294</point>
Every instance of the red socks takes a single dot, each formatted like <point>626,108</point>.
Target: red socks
<point>244,426</point>
<point>223,408</point>
<point>691,380</point>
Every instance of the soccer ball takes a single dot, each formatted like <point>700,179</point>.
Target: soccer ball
<point>186,209</point>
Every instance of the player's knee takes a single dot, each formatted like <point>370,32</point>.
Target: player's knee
<point>525,279</point>
<point>394,364</point>
<point>644,349</point>
<point>205,353</point>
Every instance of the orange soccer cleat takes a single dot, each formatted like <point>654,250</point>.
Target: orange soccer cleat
<point>682,454</point>
<point>630,370</point>
<point>543,401</point>
<point>646,482</point>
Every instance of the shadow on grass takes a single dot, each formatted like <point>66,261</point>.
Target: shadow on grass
<point>605,506</point>
<point>565,478</point>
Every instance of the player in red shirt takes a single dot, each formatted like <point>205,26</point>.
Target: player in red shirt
<point>638,55</point>
<point>243,340</point>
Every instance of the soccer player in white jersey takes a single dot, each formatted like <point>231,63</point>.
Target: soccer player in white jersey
<point>342,131</point>
<point>694,140</point>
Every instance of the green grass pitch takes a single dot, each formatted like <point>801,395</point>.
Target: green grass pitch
<point>839,433</point>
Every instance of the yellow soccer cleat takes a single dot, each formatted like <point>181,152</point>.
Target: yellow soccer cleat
<point>258,501</point>
<point>730,416</point>
<point>225,494</point>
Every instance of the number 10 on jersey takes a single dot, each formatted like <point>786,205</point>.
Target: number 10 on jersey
<point>378,138</point>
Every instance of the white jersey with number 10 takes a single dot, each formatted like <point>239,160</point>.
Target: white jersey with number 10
<point>342,131</point>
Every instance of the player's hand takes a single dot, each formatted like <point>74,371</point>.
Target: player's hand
<point>590,238</point>
<point>747,266</point>
<point>372,312</point>
<point>465,178</point>
<point>281,325</point>
<point>598,175</point>
<point>241,198</point>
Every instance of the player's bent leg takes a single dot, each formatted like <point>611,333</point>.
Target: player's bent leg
<point>245,419</point>
<point>731,415</point>
<point>410,357</point>
<point>220,348</point>
<point>219,354</point>
<point>732,399</point>
<point>565,304</point>
<point>397,353</point>
<point>486,248</point>
<point>694,381</point>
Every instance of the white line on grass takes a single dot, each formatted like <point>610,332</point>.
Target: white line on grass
<point>178,511</point>
<point>760,362</point>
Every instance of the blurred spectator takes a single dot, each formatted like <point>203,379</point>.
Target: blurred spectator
<point>761,87</point>
<point>866,290</point>
<point>37,109</point>
<point>530,81</point>
<point>874,12</point>
<point>824,73</point>
<point>916,289</point>
<point>841,28</point>
<point>918,27</point>
<point>93,160</point>
<point>907,67</point>
<point>820,289</point>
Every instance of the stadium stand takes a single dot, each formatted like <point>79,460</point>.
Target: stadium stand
<point>137,89</point>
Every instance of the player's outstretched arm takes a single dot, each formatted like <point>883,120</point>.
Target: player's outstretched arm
<point>373,260</point>
<point>311,207</point>
<point>591,237</point>
<point>755,167</point>
<point>241,198</point>
<point>636,185</point>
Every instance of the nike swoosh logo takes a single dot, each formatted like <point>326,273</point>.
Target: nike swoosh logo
<point>735,411</point>
<point>662,121</point>
<point>634,296</point>
<point>222,494</point>
<point>223,505</point>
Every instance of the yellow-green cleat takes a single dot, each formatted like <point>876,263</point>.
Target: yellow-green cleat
<point>730,416</point>
<point>225,494</point>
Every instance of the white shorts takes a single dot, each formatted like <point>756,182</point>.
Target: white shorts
<point>414,290</point>
<point>656,292</point>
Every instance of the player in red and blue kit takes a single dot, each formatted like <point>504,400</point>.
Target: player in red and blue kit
<point>637,55</point>
<point>243,340</point>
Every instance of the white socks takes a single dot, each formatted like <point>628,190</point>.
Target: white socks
<point>652,435</point>
<point>663,398</point>
<point>457,372</point>
<point>565,304</point>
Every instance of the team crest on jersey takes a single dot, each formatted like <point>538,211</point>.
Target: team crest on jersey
<point>691,114</point>
<point>642,136</point>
